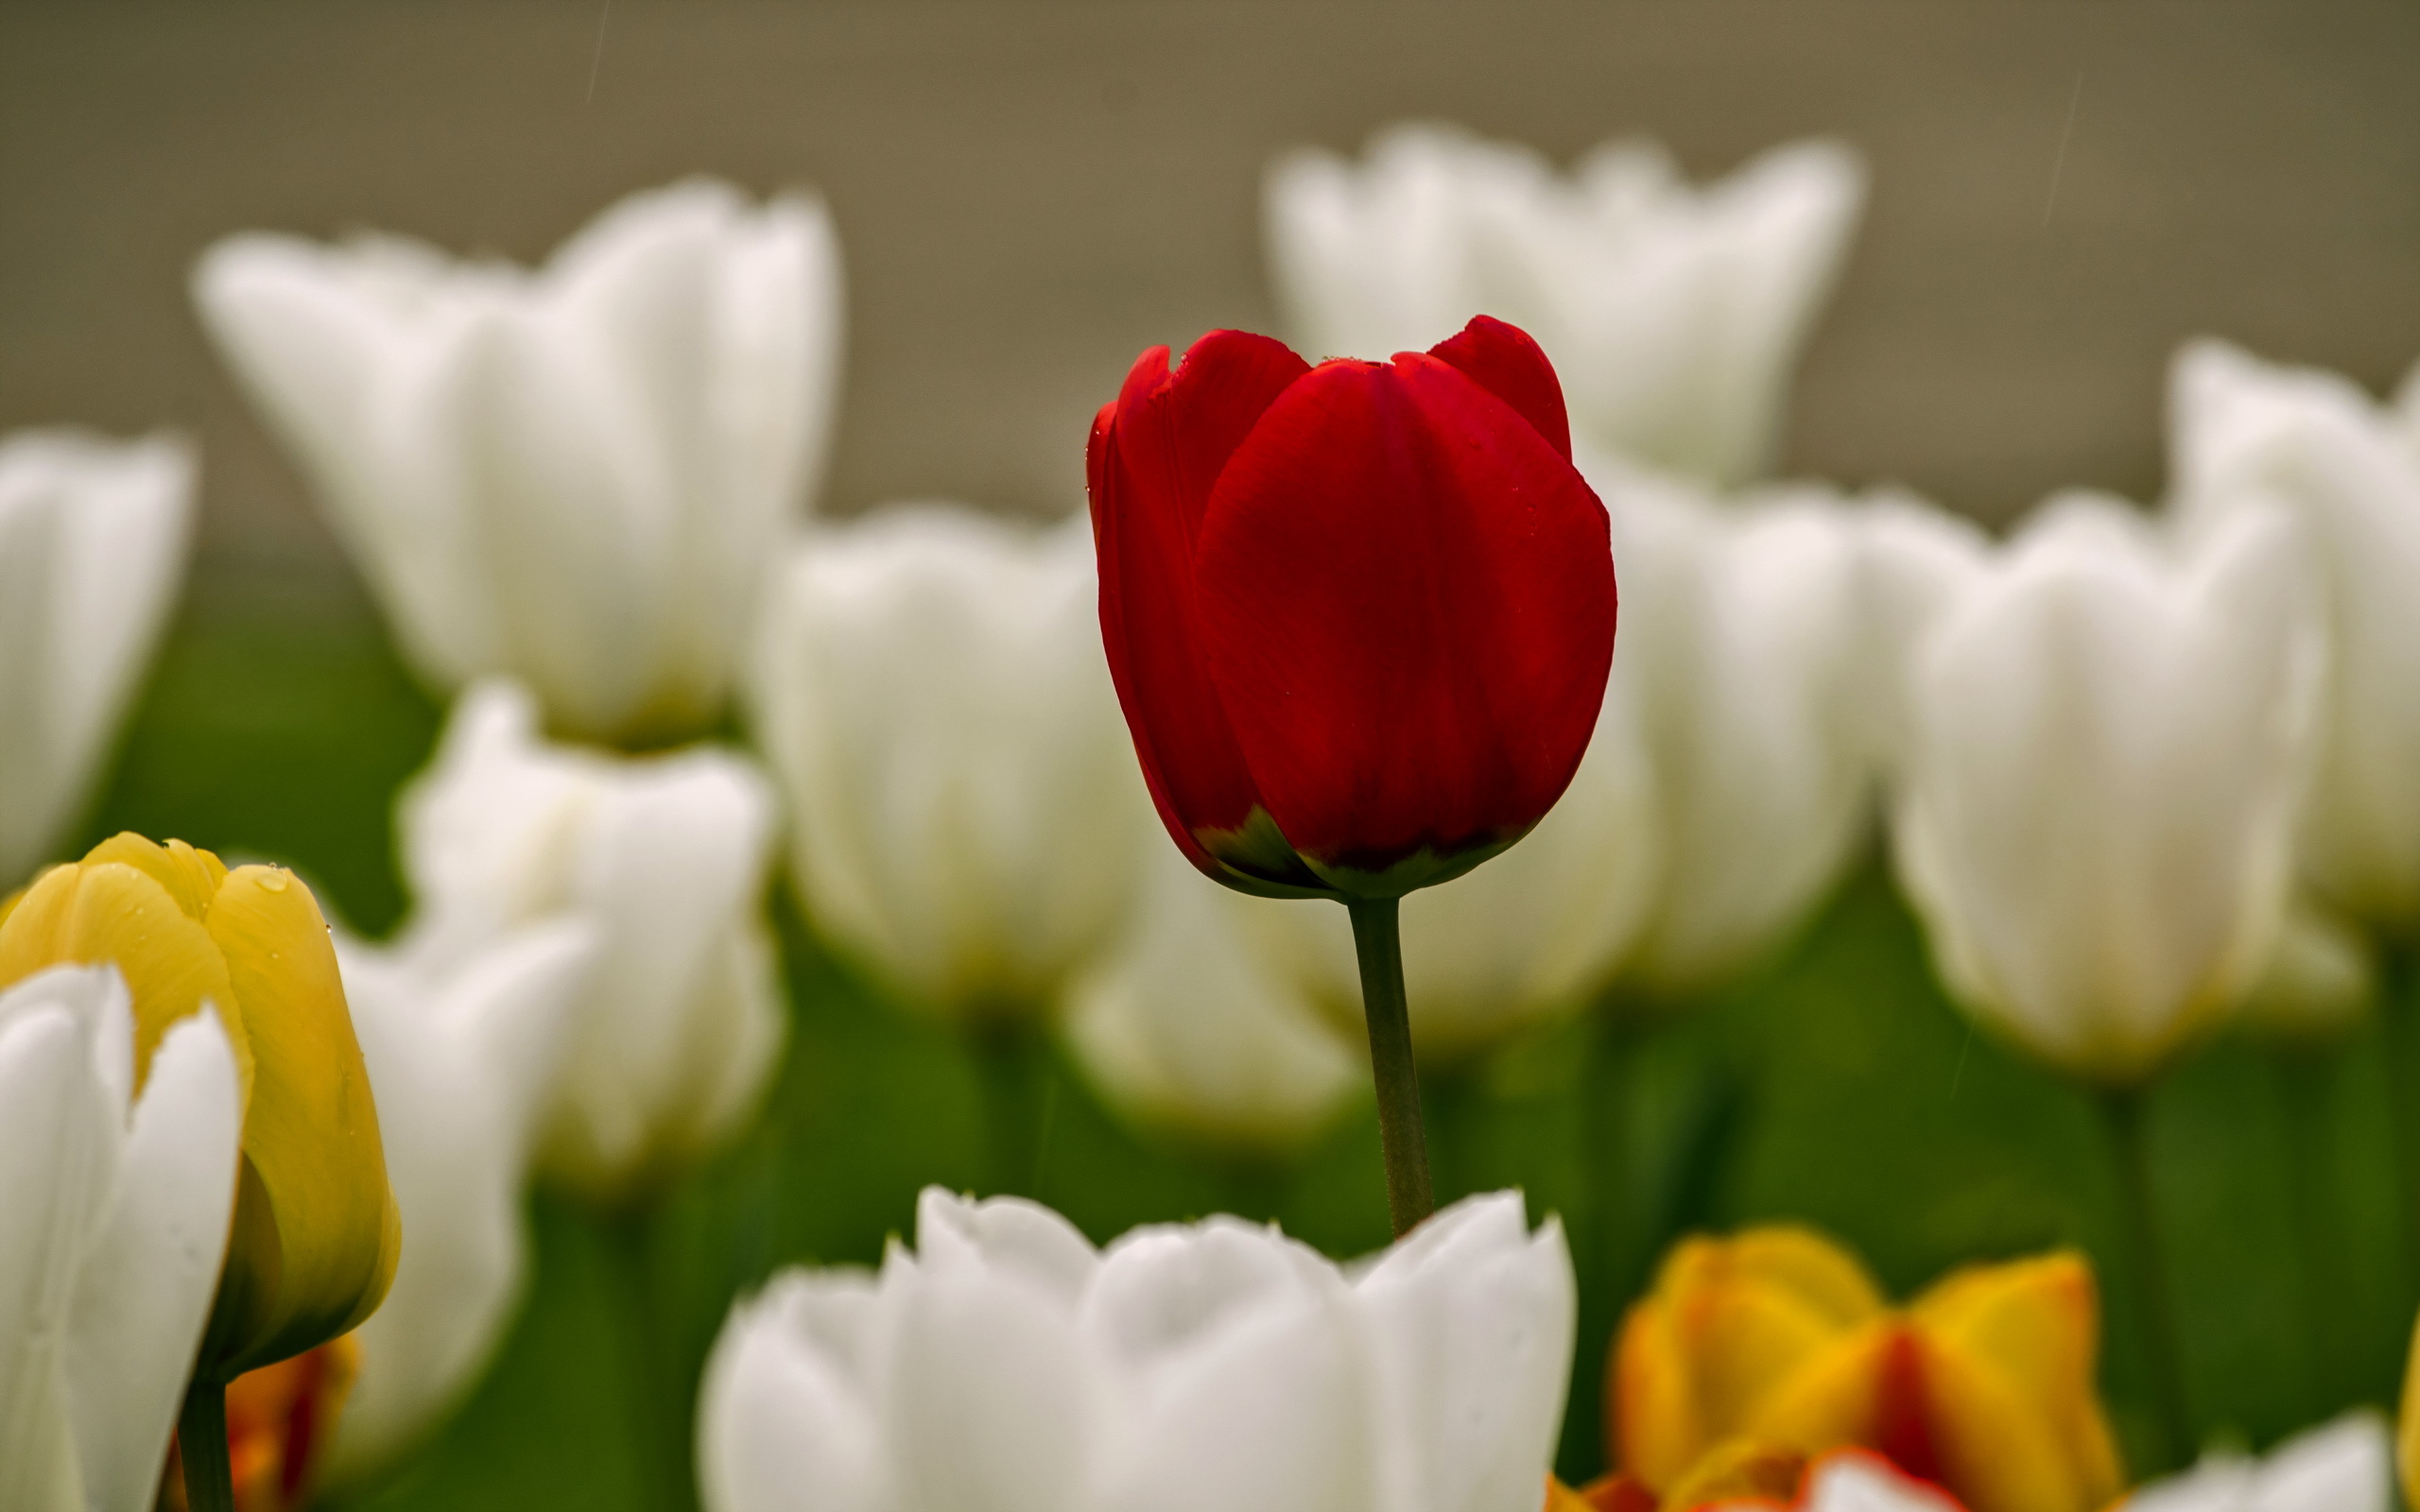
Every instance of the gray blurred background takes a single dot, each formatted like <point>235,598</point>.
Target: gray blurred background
<point>1030,190</point>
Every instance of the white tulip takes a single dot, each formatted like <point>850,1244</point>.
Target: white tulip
<point>91,544</point>
<point>2106,743</point>
<point>574,476</point>
<point>1674,316</point>
<point>1009,1367</point>
<point>2347,1466</point>
<point>462,1058</point>
<point>1529,937</point>
<point>966,813</point>
<point>2246,434</point>
<point>1187,1020</point>
<point>1741,631</point>
<point>118,1183</point>
<point>676,1024</point>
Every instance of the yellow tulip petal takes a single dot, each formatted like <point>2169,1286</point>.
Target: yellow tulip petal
<point>1835,1396</point>
<point>1730,1322</point>
<point>2015,1348</point>
<point>1739,1473</point>
<point>9,906</point>
<point>317,1234</point>
<point>191,876</point>
<point>1652,1399</point>
<point>113,912</point>
<point>1826,1279</point>
<point>2407,1429</point>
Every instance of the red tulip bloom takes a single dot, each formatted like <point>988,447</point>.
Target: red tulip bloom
<point>1359,615</point>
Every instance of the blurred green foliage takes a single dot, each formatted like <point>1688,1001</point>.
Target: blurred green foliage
<point>1836,1087</point>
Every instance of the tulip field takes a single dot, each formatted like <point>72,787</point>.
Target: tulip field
<point>1459,927</point>
<point>1836,1086</point>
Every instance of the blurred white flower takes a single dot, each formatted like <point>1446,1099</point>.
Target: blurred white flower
<point>2347,1466</point>
<point>677,1021</point>
<point>2245,433</point>
<point>1741,633</point>
<point>966,813</point>
<point>117,1180</point>
<point>574,476</point>
<point>1187,1020</point>
<point>1919,564</point>
<point>1009,1367</point>
<point>1674,316</point>
<point>2321,978</point>
<point>91,544</point>
<point>461,1057</point>
<point>1529,935</point>
<point>2106,741</point>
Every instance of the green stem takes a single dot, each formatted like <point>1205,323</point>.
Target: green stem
<point>2399,1027</point>
<point>201,1443</point>
<point>657,1423</point>
<point>1603,1234</point>
<point>2124,1111</point>
<point>1378,944</point>
<point>1019,1095</point>
<point>2304,1087</point>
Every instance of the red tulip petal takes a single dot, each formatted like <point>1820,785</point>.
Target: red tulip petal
<point>1408,603</point>
<point>1503,360</point>
<point>1152,460</point>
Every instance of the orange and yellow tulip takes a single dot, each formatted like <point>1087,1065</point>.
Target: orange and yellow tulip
<point>1778,1338</point>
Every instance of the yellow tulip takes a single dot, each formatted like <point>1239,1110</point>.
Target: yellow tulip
<point>2407,1429</point>
<point>314,1236</point>
<point>1778,1338</point>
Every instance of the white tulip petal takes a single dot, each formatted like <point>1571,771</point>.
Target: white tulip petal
<point>1859,1483</point>
<point>1188,1019</point>
<point>574,476</point>
<point>932,695</point>
<point>957,1236</point>
<point>2346,1465</point>
<point>92,537</point>
<point>462,1064</point>
<point>1469,1329</point>
<point>1741,633</point>
<point>2105,740</point>
<point>2247,436</point>
<point>1005,1366</point>
<point>783,1424</point>
<point>153,1270</point>
<point>993,1396</point>
<point>679,1021</point>
<point>1674,316</point>
<point>1271,1412</point>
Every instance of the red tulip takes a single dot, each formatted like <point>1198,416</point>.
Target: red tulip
<point>1359,615</point>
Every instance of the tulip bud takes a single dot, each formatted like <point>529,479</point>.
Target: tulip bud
<point>1778,1338</point>
<point>1675,313</point>
<point>314,1236</point>
<point>1359,616</point>
<point>91,540</point>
